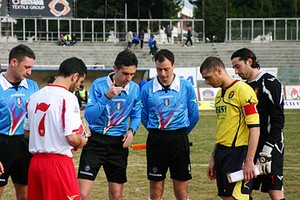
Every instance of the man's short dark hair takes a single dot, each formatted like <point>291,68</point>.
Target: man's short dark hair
<point>19,52</point>
<point>126,58</point>
<point>211,63</point>
<point>164,54</point>
<point>71,66</point>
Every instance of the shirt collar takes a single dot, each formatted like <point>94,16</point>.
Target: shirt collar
<point>174,86</point>
<point>261,73</point>
<point>6,84</point>
<point>109,82</point>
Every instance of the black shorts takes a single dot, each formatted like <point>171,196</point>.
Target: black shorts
<point>15,157</point>
<point>106,151</point>
<point>273,181</point>
<point>168,149</point>
<point>230,159</point>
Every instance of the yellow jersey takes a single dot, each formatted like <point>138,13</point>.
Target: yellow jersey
<point>236,113</point>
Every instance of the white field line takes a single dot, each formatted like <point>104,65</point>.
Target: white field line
<point>206,165</point>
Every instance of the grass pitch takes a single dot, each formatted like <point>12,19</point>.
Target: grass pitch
<point>200,188</point>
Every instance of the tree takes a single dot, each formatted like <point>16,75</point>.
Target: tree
<point>215,12</point>
<point>136,9</point>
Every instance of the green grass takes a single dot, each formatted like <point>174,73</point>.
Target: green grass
<point>200,188</point>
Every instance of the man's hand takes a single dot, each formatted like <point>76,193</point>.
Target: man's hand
<point>113,90</point>
<point>265,159</point>
<point>1,168</point>
<point>128,138</point>
<point>211,173</point>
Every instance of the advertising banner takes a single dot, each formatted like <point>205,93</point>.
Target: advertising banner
<point>3,7</point>
<point>208,94</point>
<point>41,8</point>
<point>292,92</point>
<point>292,104</point>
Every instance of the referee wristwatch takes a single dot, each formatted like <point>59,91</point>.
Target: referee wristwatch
<point>131,129</point>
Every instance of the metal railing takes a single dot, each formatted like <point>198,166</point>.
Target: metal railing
<point>114,30</point>
<point>97,30</point>
<point>262,29</point>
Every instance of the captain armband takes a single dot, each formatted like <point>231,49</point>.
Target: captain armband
<point>250,109</point>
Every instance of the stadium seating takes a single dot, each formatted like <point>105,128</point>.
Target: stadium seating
<point>281,55</point>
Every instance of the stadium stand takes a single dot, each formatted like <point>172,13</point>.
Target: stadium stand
<point>281,55</point>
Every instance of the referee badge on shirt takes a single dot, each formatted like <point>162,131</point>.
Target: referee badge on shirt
<point>19,102</point>
<point>119,106</point>
<point>167,102</point>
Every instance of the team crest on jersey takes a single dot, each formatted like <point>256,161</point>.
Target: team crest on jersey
<point>19,102</point>
<point>167,102</point>
<point>231,94</point>
<point>119,106</point>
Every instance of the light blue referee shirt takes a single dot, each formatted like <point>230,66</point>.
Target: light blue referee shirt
<point>111,116</point>
<point>173,109</point>
<point>12,105</point>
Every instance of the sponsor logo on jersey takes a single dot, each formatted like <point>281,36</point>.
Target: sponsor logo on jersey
<point>87,168</point>
<point>72,197</point>
<point>220,109</point>
<point>154,169</point>
<point>249,101</point>
<point>280,177</point>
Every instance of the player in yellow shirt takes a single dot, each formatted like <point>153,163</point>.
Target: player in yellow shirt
<point>237,130</point>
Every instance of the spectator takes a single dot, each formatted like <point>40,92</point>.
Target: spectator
<point>141,37</point>
<point>169,113</point>
<point>129,38</point>
<point>168,32</point>
<point>135,39</point>
<point>53,125</point>
<point>82,96</point>
<point>67,39</point>
<point>113,112</point>
<point>61,40</point>
<point>152,45</point>
<point>15,89</point>
<point>189,37</point>
<point>74,40</point>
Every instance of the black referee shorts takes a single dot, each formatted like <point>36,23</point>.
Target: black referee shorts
<point>15,157</point>
<point>106,151</point>
<point>168,149</point>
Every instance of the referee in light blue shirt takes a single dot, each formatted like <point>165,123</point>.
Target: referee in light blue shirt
<point>15,89</point>
<point>113,101</point>
<point>169,113</point>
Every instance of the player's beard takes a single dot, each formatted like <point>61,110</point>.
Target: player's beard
<point>74,86</point>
